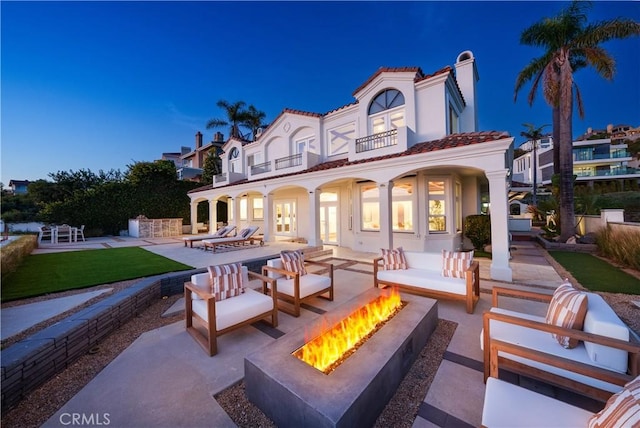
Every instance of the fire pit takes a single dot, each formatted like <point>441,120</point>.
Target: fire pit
<point>293,393</point>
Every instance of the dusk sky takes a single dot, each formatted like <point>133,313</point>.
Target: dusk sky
<point>101,85</point>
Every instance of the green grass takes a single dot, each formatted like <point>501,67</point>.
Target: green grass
<point>54,272</point>
<point>596,274</point>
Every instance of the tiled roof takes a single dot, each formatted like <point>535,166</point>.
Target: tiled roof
<point>381,70</point>
<point>448,142</point>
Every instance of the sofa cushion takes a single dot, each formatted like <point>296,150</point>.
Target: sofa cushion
<point>508,405</point>
<point>226,280</point>
<point>568,308</point>
<point>309,284</point>
<point>455,263</point>
<point>422,260</point>
<point>540,341</point>
<point>293,261</point>
<point>602,320</point>
<point>425,278</point>
<point>393,259</point>
<point>622,409</point>
<point>235,309</point>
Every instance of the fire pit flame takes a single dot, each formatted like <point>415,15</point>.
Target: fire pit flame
<point>327,350</point>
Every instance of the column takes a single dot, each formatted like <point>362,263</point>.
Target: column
<point>213,215</point>
<point>194,217</point>
<point>314,237</point>
<point>267,209</point>
<point>386,231</point>
<point>498,198</point>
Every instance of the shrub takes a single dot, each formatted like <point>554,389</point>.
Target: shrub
<point>478,229</point>
<point>620,246</point>
<point>15,252</point>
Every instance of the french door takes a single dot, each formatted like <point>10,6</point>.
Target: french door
<point>285,218</point>
<point>329,217</point>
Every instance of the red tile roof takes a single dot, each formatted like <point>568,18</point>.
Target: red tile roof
<point>448,142</point>
<point>381,70</point>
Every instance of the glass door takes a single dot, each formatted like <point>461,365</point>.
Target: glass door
<point>329,217</point>
<point>285,218</point>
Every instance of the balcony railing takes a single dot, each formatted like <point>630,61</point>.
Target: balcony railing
<point>261,168</point>
<point>289,161</point>
<point>220,178</point>
<point>607,173</point>
<point>377,141</point>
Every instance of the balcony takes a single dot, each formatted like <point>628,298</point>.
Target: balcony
<point>220,178</point>
<point>377,141</point>
<point>227,178</point>
<point>289,161</point>
<point>608,173</point>
<point>261,168</point>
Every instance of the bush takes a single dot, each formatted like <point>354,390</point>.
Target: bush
<point>620,246</point>
<point>478,229</point>
<point>15,252</point>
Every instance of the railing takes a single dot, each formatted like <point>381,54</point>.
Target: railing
<point>289,161</point>
<point>220,178</point>
<point>612,172</point>
<point>377,141</point>
<point>577,157</point>
<point>261,168</point>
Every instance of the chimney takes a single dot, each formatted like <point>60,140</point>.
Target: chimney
<point>467,78</point>
<point>198,140</point>
<point>218,137</point>
<point>609,129</point>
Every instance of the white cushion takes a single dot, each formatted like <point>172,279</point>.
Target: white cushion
<point>543,342</point>
<point>429,261</point>
<point>426,278</point>
<point>309,284</point>
<point>602,320</point>
<point>237,309</point>
<point>507,405</point>
<point>275,263</point>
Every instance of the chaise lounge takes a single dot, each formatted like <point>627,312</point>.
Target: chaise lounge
<point>223,232</point>
<point>245,236</point>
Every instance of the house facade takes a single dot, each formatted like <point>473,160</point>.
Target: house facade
<point>190,163</point>
<point>402,165</point>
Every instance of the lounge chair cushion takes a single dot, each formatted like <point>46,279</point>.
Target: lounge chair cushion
<point>203,280</point>
<point>455,263</point>
<point>226,281</point>
<point>622,409</point>
<point>236,309</point>
<point>393,259</point>
<point>568,308</point>
<point>293,261</point>
<point>309,284</point>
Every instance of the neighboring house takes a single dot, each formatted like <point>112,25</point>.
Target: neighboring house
<point>189,163</point>
<point>18,187</point>
<point>402,165</point>
<point>596,158</point>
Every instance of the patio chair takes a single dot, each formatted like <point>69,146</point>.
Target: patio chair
<point>245,236</point>
<point>295,284</point>
<point>45,233</point>
<point>80,233</point>
<point>510,405</point>
<point>63,233</point>
<point>221,301</point>
<point>223,232</point>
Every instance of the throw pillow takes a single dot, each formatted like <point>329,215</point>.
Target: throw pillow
<point>226,281</point>
<point>622,409</point>
<point>567,308</point>
<point>293,261</point>
<point>455,263</point>
<point>394,259</point>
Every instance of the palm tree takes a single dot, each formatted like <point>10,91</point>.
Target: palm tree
<point>569,44</point>
<point>534,135</point>
<point>254,120</point>
<point>236,116</point>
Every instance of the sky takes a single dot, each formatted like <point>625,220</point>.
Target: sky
<point>102,85</point>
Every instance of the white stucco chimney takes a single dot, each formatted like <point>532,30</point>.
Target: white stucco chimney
<point>467,78</point>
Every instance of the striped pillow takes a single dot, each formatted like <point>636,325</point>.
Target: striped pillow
<point>394,259</point>
<point>567,308</point>
<point>455,263</point>
<point>622,409</point>
<point>226,281</point>
<point>293,261</point>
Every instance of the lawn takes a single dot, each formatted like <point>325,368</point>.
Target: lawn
<point>596,274</point>
<point>54,272</point>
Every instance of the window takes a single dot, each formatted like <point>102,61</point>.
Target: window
<point>402,206</point>
<point>386,100</point>
<point>454,127</point>
<point>243,208</point>
<point>437,206</point>
<point>370,200</point>
<point>339,138</point>
<point>386,111</point>
<point>254,159</point>
<point>258,211</point>
<point>303,144</point>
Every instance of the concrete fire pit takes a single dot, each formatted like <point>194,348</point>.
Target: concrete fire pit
<point>294,394</point>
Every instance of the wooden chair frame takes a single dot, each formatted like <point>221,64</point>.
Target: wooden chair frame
<point>491,363</point>
<point>471,297</point>
<point>296,300</point>
<point>208,341</point>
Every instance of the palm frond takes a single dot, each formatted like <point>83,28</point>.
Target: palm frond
<point>579,104</point>
<point>599,58</point>
<point>215,123</point>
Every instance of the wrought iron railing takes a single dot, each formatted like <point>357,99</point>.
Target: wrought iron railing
<point>289,161</point>
<point>261,168</point>
<point>377,141</point>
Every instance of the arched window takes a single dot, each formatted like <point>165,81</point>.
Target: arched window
<point>387,99</point>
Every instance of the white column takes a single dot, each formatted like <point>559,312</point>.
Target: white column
<point>498,198</point>
<point>386,231</point>
<point>213,215</point>
<point>267,209</point>
<point>314,237</point>
<point>232,212</point>
<point>194,217</point>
